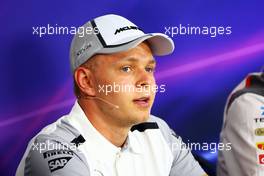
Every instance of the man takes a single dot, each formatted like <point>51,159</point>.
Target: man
<point>243,127</point>
<point>109,131</point>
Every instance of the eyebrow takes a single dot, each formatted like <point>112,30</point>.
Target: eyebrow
<point>132,59</point>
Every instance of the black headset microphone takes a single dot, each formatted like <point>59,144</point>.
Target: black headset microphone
<point>102,99</point>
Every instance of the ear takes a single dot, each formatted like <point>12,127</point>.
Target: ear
<point>85,81</point>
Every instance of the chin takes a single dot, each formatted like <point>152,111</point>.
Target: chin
<point>140,118</point>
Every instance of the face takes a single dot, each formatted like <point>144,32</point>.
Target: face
<point>126,79</point>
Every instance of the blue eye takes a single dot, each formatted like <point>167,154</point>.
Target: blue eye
<point>150,69</point>
<point>126,69</point>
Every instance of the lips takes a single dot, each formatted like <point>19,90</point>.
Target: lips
<point>142,101</point>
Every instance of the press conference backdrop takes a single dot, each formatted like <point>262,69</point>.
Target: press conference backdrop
<point>217,44</point>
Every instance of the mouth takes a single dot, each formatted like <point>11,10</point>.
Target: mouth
<point>143,102</point>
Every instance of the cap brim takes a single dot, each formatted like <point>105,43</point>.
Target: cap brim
<point>159,43</point>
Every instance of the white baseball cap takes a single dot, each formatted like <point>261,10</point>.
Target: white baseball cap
<point>113,33</point>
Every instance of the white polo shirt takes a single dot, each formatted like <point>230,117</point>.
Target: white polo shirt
<point>148,151</point>
<point>135,158</point>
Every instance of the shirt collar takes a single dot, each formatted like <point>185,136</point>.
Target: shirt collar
<point>80,121</point>
<point>133,143</point>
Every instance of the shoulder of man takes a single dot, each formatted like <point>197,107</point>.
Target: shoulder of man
<point>183,161</point>
<point>252,84</point>
<point>243,125</point>
<point>56,153</point>
<point>167,132</point>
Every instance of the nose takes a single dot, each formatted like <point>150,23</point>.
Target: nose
<point>144,79</point>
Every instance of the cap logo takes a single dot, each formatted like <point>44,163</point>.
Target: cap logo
<point>126,28</point>
<point>83,49</point>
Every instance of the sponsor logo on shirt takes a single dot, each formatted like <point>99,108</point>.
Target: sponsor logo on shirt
<point>57,152</point>
<point>259,132</point>
<point>261,159</point>
<point>261,118</point>
<point>58,163</point>
<point>260,145</point>
<point>78,141</point>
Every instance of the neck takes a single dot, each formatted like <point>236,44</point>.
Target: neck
<point>105,125</point>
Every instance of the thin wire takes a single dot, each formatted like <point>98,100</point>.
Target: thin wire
<point>103,100</point>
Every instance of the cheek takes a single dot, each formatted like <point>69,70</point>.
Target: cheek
<point>111,76</point>
<point>123,80</point>
<point>127,81</point>
<point>105,78</point>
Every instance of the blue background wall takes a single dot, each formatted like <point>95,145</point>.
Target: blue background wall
<point>36,83</point>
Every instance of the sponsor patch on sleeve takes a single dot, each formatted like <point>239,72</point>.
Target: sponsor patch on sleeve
<point>261,159</point>
<point>58,163</point>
